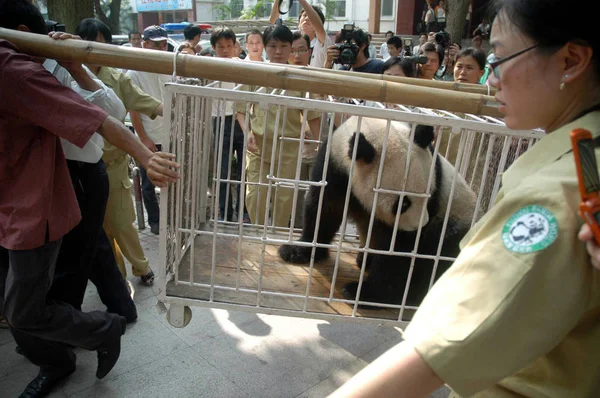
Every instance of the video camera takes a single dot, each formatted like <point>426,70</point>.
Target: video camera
<point>54,26</point>
<point>348,50</point>
<point>417,59</point>
<point>442,38</point>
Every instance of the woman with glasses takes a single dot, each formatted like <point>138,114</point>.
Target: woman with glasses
<point>518,313</point>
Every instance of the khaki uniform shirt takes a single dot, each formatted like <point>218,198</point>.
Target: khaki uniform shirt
<point>262,121</point>
<point>133,98</point>
<point>518,314</point>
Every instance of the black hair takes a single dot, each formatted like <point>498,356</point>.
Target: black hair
<point>407,67</point>
<point>135,32</point>
<point>297,35</point>
<point>89,28</point>
<point>22,12</point>
<point>191,31</point>
<point>254,32</point>
<point>429,47</point>
<point>395,41</point>
<point>278,32</point>
<point>477,54</point>
<point>222,32</point>
<point>388,32</point>
<point>551,25</point>
<point>317,10</point>
<point>208,51</point>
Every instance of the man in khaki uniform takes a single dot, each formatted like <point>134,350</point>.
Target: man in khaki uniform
<point>120,213</point>
<point>260,156</point>
<point>542,296</point>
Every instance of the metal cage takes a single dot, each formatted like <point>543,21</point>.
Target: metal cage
<point>216,260</point>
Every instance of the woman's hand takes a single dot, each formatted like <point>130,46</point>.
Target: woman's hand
<point>586,236</point>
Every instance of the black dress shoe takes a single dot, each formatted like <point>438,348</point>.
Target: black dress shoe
<point>43,385</point>
<point>109,353</point>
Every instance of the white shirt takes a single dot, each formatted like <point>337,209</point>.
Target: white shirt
<point>383,51</point>
<point>319,51</point>
<point>217,105</point>
<point>372,51</point>
<point>247,59</point>
<point>104,98</point>
<point>152,84</point>
<point>416,50</point>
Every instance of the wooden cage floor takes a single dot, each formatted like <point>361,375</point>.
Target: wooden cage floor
<point>277,276</point>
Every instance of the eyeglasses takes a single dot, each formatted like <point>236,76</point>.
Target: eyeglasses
<point>299,52</point>
<point>495,64</point>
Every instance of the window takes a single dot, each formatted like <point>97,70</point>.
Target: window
<point>267,7</point>
<point>387,8</point>
<point>294,11</point>
<point>340,9</point>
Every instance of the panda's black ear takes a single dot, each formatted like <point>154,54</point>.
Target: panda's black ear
<point>423,135</point>
<point>365,151</point>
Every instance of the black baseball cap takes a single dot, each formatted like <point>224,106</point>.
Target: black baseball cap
<point>155,33</point>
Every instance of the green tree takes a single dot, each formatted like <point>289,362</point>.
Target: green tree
<point>223,11</point>
<point>70,12</point>
<point>257,11</point>
<point>109,12</point>
<point>236,8</point>
<point>456,14</point>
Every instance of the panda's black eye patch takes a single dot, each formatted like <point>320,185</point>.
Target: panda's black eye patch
<point>406,203</point>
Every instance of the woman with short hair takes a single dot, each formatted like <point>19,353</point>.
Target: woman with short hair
<point>517,314</point>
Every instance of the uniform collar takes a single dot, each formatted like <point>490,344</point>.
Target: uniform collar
<point>549,149</point>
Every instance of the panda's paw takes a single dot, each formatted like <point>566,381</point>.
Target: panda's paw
<point>359,260</point>
<point>349,292</point>
<point>300,255</point>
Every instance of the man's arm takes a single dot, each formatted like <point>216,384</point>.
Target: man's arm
<point>159,110</point>
<point>158,165</point>
<point>315,20</point>
<point>274,12</point>
<point>138,126</point>
<point>400,372</point>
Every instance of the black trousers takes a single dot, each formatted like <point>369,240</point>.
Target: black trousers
<point>38,321</point>
<point>85,254</point>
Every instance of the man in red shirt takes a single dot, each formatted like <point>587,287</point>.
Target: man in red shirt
<point>38,205</point>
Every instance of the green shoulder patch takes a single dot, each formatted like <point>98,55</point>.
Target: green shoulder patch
<point>530,229</point>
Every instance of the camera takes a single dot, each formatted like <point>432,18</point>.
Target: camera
<point>442,38</point>
<point>54,26</point>
<point>408,46</point>
<point>348,50</point>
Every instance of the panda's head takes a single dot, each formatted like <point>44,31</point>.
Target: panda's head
<point>369,152</point>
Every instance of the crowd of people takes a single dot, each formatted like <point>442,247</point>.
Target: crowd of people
<point>65,149</point>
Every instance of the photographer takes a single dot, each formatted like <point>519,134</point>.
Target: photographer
<point>353,53</point>
<point>446,72</point>
<point>435,56</point>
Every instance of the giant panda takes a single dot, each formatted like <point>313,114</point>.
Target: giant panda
<point>387,274</point>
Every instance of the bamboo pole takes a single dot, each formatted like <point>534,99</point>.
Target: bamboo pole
<point>454,86</point>
<point>251,73</point>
